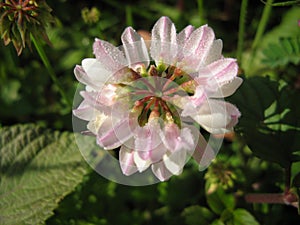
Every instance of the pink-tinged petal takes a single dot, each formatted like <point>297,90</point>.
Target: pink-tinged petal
<point>160,171</point>
<point>148,143</point>
<point>113,134</point>
<point>95,101</point>
<point>96,122</point>
<point>196,48</point>
<point>215,52</point>
<point>163,41</point>
<point>110,56</point>
<point>95,71</point>
<point>83,78</point>
<point>175,161</point>
<point>216,116</point>
<point>199,96</point>
<point>176,139</point>
<point>195,101</point>
<point>84,111</point>
<point>224,70</point>
<point>142,164</point>
<point>203,153</point>
<point>127,163</point>
<point>184,35</point>
<point>228,88</point>
<point>135,49</point>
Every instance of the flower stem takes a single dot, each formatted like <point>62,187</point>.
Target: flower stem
<point>261,29</point>
<point>129,20</point>
<point>288,197</point>
<point>241,34</point>
<point>262,24</point>
<point>50,70</point>
<point>288,3</point>
<point>201,12</point>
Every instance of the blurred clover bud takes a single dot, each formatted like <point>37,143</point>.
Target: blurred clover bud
<point>90,16</point>
<point>19,19</point>
<point>219,174</point>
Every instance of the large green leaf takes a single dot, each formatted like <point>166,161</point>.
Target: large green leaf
<point>37,169</point>
<point>270,122</point>
<point>286,50</point>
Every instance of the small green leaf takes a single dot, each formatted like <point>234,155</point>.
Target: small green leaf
<point>219,201</point>
<point>243,217</point>
<point>196,214</point>
<point>217,222</point>
<point>37,169</point>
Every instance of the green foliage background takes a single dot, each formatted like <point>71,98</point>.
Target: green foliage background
<point>44,179</point>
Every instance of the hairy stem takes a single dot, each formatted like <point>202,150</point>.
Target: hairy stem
<point>262,24</point>
<point>260,30</point>
<point>129,19</point>
<point>242,22</point>
<point>287,3</point>
<point>50,70</point>
<point>201,12</point>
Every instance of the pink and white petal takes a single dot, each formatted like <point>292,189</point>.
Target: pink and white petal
<point>92,98</point>
<point>176,139</point>
<point>135,49</point>
<point>163,41</point>
<point>188,139</point>
<point>224,70</point>
<point>196,48</point>
<point>96,122</point>
<point>203,153</point>
<point>84,111</point>
<point>148,143</point>
<point>113,134</point>
<point>182,37</point>
<point>228,88</point>
<point>141,164</point>
<point>95,71</point>
<point>127,163</point>
<point>83,78</point>
<point>199,96</point>
<point>216,116</point>
<point>170,136</point>
<point>160,171</point>
<point>111,57</point>
<point>175,161</point>
<point>215,52</point>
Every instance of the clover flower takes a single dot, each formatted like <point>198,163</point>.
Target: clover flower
<point>20,18</point>
<point>150,102</point>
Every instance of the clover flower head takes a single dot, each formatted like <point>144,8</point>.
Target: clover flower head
<point>21,18</point>
<point>151,101</point>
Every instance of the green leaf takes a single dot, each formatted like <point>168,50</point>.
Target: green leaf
<point>242,217</point>
<point>217,222</point>
<point>288,28</point>
<point>37,169</point>
<point>286,50</point>
<point>219,201</point>
<point>196,214</point>
<point>270,122</point>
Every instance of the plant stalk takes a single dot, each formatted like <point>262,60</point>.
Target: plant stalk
<point>262,24</point>
<point>201,12</point>
<point>50,70</point>
<point>241,34</point>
